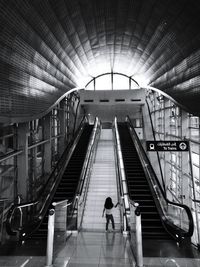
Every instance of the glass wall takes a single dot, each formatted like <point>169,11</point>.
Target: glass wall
<point>195,152</point>
<point>35,158</point>
<point>181,170</point>
<point>30,150</point>
<point>7,163</point>
<point>37,141</point>
<point>55,131</point>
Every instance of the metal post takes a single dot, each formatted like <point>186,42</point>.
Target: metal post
<point>50,238</point>
<point>20,211</point>
<point>139,253</point>
<point>1,237</point>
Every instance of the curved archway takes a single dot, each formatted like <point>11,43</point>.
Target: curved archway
<point>110,81</point>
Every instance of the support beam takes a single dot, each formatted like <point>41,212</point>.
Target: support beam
<point>167,155</point>
<point>47,146</point>
<point>62,122</point>
<point>22,161</point>
<point>185,194</point>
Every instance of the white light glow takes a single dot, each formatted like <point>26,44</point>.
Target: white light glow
<point>120,82</point>
<point>142,80</point>
<point>83,80</point>
<point>102,64</point>
<point>103,83</point>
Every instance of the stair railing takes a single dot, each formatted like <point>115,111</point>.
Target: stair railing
<point>86,173</point>
<point>121,182</point>
<point>26,217</point>
<point>176,218</point>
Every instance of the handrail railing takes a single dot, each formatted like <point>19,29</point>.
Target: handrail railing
<point>121,180</point>
<point>34,211</point>
<point>119,189</point>
<point>131,217</point>
<point>88,155</point>
<point>86,174</point>
<point>61,202</point>
<point>163,204</point>
<point>10,155</point>
<point>75,213</point>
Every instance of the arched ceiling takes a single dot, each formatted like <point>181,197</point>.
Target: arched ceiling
<point>50,46</point>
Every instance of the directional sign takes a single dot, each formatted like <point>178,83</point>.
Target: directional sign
<point>167,146</point>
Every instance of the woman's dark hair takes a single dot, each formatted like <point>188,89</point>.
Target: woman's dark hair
<point>108,203</point>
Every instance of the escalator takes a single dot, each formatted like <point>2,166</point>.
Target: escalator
<point>69,181</point>
<point>139,190</point>
<point>67,186</point>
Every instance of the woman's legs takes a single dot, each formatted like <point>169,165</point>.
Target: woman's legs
<point>108,218</point>
<point>107,221</point>
<point>113,223</point>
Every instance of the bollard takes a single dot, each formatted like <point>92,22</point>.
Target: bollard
<point>139,253</point>
<point>50,237</point>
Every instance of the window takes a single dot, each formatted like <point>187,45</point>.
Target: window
<point>112,81</point>
<point>195,159</point>
<point>120,82</point>
<point>103,83</point>
<point>194,127</point>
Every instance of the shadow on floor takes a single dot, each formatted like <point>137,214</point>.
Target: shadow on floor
<point>28,248</point>
<point>168,248</point>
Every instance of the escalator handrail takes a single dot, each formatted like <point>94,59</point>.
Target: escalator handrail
<point>86,164</point>
<point>82,194</point>
<point>84,169</point>
<point>59,168</point>
<point>119,186</point>
<point>92,149</point>
<point>118,163</point>
<point>125,208</point>
<point>154,176</point>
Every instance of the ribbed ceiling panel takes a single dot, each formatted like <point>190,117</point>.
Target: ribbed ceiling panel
<point>50,46</point>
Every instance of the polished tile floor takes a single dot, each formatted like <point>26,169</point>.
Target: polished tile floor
<point>113,249</point>
<point>92,249</point>
<point>89,249</point>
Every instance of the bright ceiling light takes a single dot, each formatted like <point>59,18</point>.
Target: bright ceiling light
<point>142,80</point>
